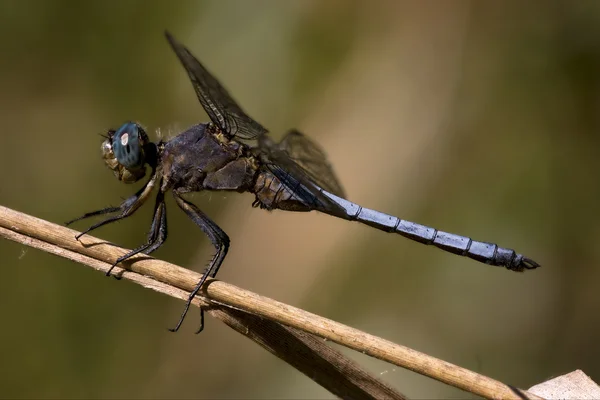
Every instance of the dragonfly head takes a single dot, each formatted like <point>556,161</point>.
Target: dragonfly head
<point>124,151</point>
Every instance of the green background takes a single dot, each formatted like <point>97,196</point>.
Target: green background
<point>480,118</point>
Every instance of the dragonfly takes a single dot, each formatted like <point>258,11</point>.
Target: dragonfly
<point>235,153</point>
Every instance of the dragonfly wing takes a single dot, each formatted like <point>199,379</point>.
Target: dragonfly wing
<point>302,167</point>
<point>223,111</point>
<point>313,161</point>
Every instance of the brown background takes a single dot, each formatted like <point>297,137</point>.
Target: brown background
<point>479,118</point>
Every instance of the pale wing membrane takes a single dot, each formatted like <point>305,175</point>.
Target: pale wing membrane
<point>216,101</point>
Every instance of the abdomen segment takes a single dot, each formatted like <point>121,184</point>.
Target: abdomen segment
<point>488,253</point>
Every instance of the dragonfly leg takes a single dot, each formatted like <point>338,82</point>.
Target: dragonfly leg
<point>156,236</point>
<point>126,208</point>
<point>220,241</point>
<point>106,210</point>
<point>201,322</point>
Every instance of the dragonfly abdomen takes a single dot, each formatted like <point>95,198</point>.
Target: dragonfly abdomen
<point>488,253</point>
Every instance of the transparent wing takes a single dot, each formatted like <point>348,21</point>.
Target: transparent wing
<point>216,101</point>
<point>302,167</point>
<point>313,161</point>
<point>299,164</point>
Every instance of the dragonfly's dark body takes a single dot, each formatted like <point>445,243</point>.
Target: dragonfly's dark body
<point>235,153</point>
<point>203,158</point>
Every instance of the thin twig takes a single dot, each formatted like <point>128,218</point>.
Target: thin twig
<point>221,299</point>
<point>310,355</point>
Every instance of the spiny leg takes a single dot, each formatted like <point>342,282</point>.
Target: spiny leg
<point>218,238</point>
<point>156,236</point>
<point>126,208</point>
<point>161,230</point>
<point>111,209</point>
<point>106,210</point>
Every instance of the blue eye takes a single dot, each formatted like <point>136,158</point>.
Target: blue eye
<point>128,145</point>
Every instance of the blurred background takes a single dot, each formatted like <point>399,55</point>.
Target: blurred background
<point>479,118</point>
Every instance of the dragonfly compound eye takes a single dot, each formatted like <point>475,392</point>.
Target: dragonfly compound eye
<point>128,146</point>
<point>123,152</point>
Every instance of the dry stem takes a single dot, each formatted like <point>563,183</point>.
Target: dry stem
<point>259,318</point>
